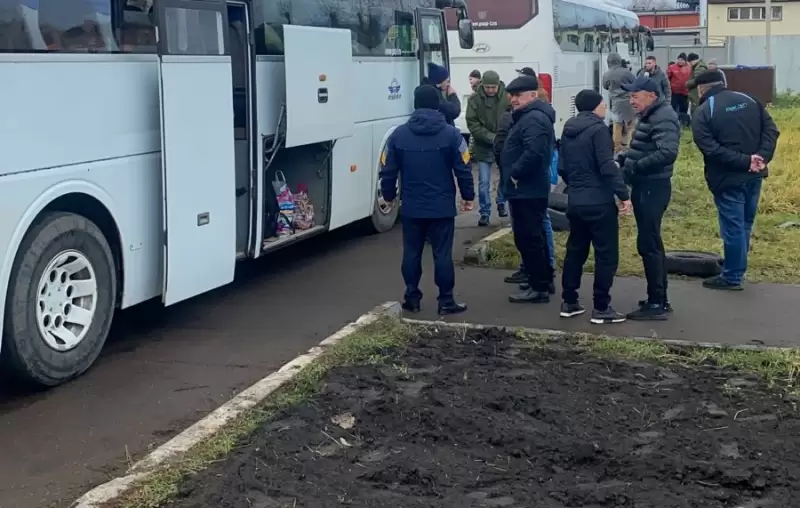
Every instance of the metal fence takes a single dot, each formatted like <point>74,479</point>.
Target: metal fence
<point>741,50</point>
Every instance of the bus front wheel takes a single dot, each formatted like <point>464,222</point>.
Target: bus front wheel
<point>60,302</point>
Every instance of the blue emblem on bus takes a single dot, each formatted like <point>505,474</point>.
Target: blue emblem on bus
<point>394,90</point>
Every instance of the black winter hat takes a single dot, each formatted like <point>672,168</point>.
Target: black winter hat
<point>475,74</point>
<point>693,56</point>
<point>523,84</point>
<point>587,100</point>
<point>709,77</point>
<point>426,96</point>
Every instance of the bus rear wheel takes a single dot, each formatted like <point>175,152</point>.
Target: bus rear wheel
<point>60,302</point>
<point>385,216</point>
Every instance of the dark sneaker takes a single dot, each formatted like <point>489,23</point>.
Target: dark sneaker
<point>502,211</point>
<point>608,316</point>
<point>452,308</point>
<point>530,296</point>
<point>571,309</point>
<point>524,286</point>
<point>667,306</point>
<point>649,312</point>
<point>719,283</point>
<point>518,277</point>
<point>410,306</point>
<point>483,221</point>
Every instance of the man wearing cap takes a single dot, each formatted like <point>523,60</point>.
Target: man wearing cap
<point>484,112</point>
<point>622,114</point>
<point>449,104</point>
<point>648,167</point>
<point>737,138</point>
<point>525,178</point>
<point>595,182</point>
<point>428,153</point>
<point>698,67</point>
<point>474,79</point>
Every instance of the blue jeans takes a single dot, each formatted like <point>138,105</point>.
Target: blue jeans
<point>548,233</point>
<point>737,209</point>
<point>485,190</point>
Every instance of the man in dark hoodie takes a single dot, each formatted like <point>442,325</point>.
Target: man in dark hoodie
<point>428,153</point>
<point>449,104</point>
<point>586,164</point>
<point>525,178</point>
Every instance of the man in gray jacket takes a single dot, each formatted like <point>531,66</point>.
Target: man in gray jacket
<point>653,71</point>
<point>622,113</point>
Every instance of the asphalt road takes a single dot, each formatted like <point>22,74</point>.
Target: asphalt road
<point>163,369</point>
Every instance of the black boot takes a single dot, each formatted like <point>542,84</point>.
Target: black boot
<point>517,277</point>
<point>530,296</point>
<point>410,306</point>
<point>446,309</point>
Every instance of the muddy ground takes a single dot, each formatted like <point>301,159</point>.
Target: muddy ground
<point>480,420</point>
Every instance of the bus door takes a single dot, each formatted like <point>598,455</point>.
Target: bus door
<point>197,147</point>
<point>432,36</point>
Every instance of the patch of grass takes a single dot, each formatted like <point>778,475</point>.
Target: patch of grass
<point>779,368</point>
<point>691,220</point>
<point>372,344</point>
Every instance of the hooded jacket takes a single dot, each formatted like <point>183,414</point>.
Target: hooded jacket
<point>654,144</point>
<point>426,153</point>
<point>699,67</point>
<point>660,79</point>
<point>483,119</point>
<point>586,162</point>
<point>728,127</point>
<point>678,76</point>
<point>527,153</point>
<point>613,79</point>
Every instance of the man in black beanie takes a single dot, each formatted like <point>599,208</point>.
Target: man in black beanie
<point>525,176</point>
<point>586,164</point>
<point>429,153</point>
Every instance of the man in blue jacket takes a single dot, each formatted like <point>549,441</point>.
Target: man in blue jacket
<point>737,138</point>
<point>428,153</point>
<point>525,176</point>
<point>449,104</point>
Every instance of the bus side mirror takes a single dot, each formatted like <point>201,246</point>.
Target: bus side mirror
<point>466,35</point>
<point>651,45</point>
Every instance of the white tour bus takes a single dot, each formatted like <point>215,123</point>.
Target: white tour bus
<point>140,141</point>
<point>565,41</point>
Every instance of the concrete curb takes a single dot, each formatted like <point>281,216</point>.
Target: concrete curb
<point>477,253</point>
<point>561,333</point>
<point>217,419</point>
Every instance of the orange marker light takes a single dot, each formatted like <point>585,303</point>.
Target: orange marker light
<point>353,168</point>
<point>323,77</point>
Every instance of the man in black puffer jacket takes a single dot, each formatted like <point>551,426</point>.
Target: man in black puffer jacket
<point>525,176</point>
<point>586,164</point>
<point>648,167</point>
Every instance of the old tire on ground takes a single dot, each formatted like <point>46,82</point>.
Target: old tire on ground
<point>693,264</point>
<point>558,220</point>
<point>383,219</point>
<point>557,201</point>
<point>60,302</point>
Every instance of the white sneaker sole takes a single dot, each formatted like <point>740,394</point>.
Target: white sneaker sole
<point>572,314</point>
<point>607,321</point>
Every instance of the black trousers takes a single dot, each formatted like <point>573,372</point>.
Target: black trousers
<point>527,217</point>
<point>439,232</point>
<point>680,103</point>
<point>597,226</point>
<point>650,200</point>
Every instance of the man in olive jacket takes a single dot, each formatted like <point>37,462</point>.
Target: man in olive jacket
<point>698,67</point>
<point>485,108</point>
<point>648,168</point>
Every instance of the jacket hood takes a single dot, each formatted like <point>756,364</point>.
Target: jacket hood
<point>501,90</point>
<point>426,122</point>
<point>711,92</point>
<point>580,123</point>
<point>614,60</point>
<point>542,106</point>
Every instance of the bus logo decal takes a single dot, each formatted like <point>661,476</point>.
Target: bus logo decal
<point>482,48</point>
<point>394,90</point>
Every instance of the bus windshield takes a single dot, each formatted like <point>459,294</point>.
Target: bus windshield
<point>496,14</point>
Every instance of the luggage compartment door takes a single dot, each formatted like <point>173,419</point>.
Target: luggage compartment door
<point>197,147</point>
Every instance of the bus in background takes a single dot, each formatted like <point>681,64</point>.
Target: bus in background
<point>565,41</point>
<point>150,144</point>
